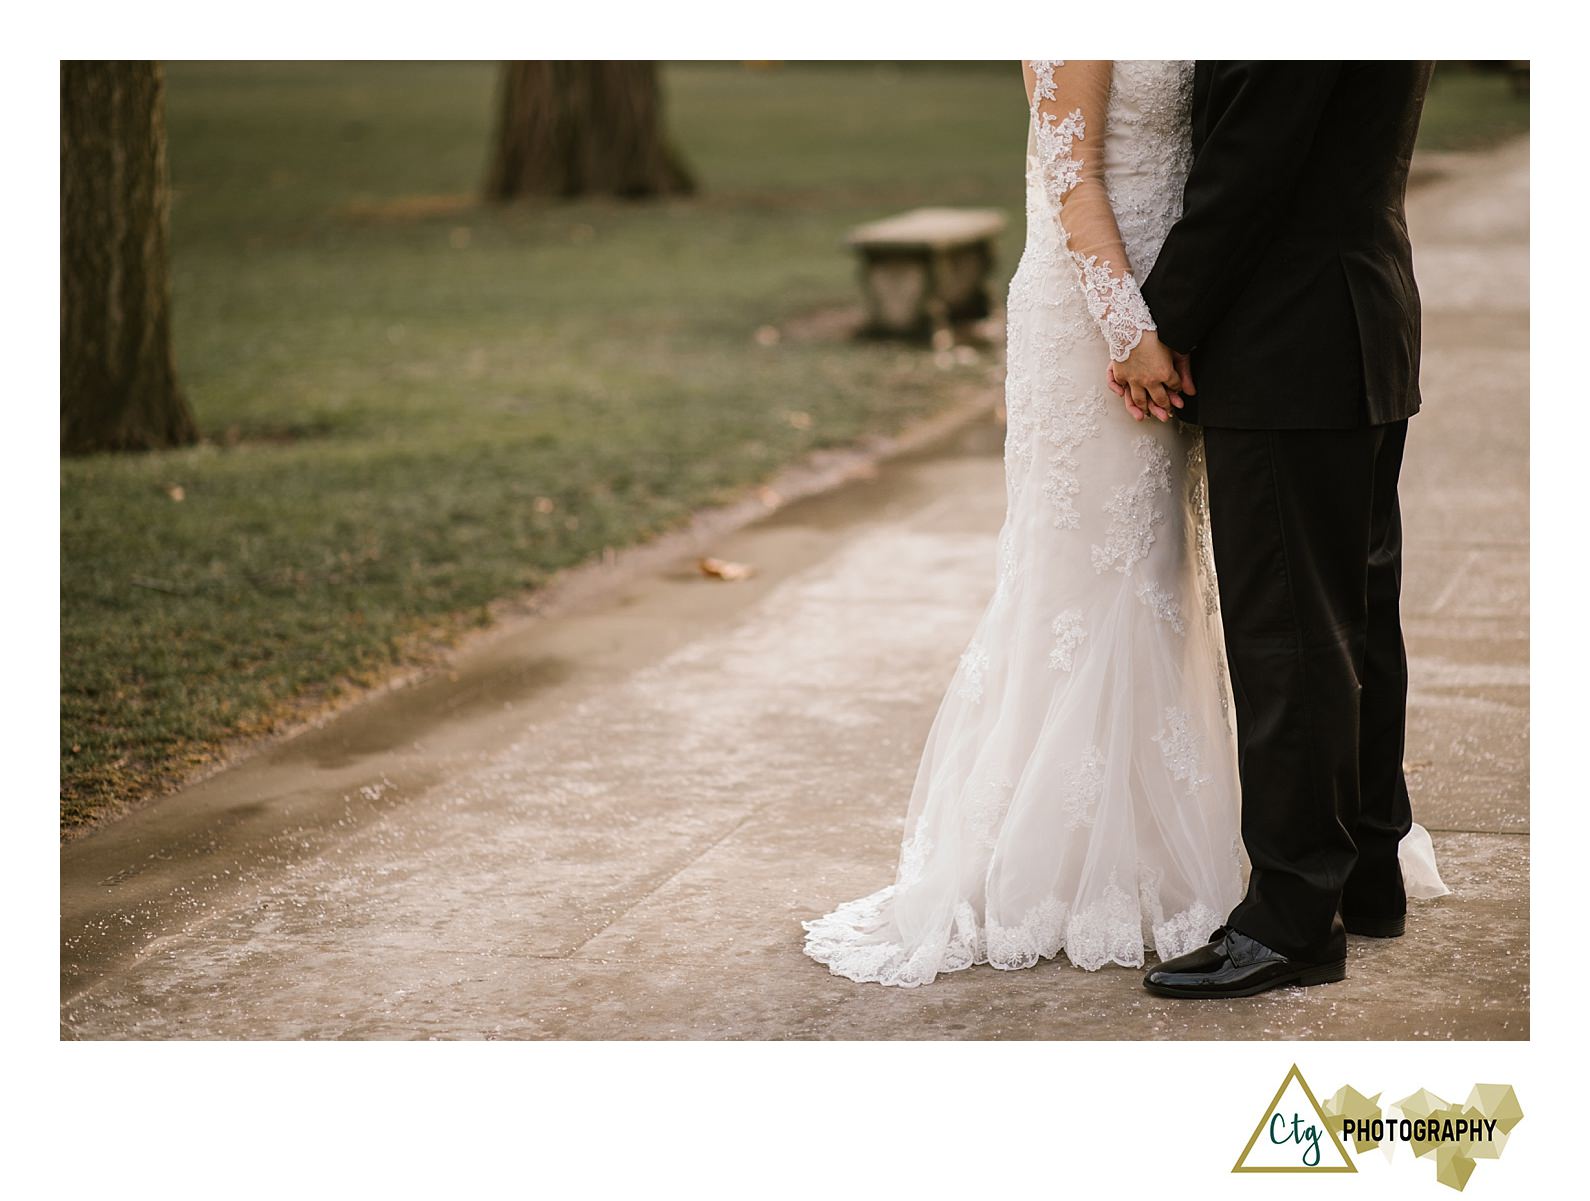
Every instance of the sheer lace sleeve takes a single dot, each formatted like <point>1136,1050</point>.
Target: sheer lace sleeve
<point>1069,101</point>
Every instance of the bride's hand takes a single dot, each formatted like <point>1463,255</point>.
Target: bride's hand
<point>1148,379</point>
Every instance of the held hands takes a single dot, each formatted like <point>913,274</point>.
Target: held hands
<point>1152,379</point>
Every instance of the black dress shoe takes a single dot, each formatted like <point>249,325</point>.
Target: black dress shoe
<point>1385,927</point>
<point>1235,965</point>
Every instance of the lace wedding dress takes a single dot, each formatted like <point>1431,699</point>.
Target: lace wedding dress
<point>1078,789</point>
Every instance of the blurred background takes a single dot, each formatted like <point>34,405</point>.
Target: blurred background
<point>426,346</point>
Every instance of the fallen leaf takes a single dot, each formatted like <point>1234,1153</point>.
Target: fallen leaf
<point>411,208</point>
<point>723,569</point>
<point>175,492</point>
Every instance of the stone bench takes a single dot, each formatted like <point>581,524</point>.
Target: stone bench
<point>925,269</point>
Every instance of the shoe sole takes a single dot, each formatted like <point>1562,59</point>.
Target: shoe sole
<point>1325,973</point>
<point>1395,928</point>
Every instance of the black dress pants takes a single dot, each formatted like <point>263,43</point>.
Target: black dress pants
<point>1308,548</point>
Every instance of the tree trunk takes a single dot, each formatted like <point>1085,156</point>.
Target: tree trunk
<point>583,128</point>
<point>118,385</point>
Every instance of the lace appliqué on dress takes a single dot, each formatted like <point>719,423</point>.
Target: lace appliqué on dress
<point>1198,502</point>
<point>1081,790</point>
<point>1043,70</point>
<point>974,663</point>
<point>914,852</point>
<point>1179,747</point>
<point>1164,605</point>
<point>1069,634</point>
<point>1110,930</point>
<point>1135,510</point>
<point>1068,425</point>
<point>987,810</point>
<point>1116,304</point>
<point>1009,566</point>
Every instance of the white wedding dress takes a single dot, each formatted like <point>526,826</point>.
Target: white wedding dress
<point>1078,790</point>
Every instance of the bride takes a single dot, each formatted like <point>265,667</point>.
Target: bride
<point>1078,790</point>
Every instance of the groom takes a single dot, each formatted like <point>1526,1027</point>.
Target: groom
<point>1286,292</point>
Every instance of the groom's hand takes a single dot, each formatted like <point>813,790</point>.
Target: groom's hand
<point>1184,369</point>
<point>1148,380</point>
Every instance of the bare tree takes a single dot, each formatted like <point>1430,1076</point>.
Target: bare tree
<point>118,385</point>
<point>583,128</point>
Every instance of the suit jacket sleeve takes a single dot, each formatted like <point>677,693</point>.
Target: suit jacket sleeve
<point>1263,116</point>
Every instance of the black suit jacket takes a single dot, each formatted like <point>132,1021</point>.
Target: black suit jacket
<point>1289,276</point>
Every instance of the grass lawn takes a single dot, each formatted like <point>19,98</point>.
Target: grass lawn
<point>414,406</point>
<point>1468,110</point>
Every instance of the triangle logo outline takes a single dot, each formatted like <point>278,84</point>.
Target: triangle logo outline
<point>1346,1164</point>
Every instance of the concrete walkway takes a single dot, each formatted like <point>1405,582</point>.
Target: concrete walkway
<point>609,824</point>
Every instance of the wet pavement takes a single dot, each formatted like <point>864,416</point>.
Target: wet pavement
<point>609,821</point>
